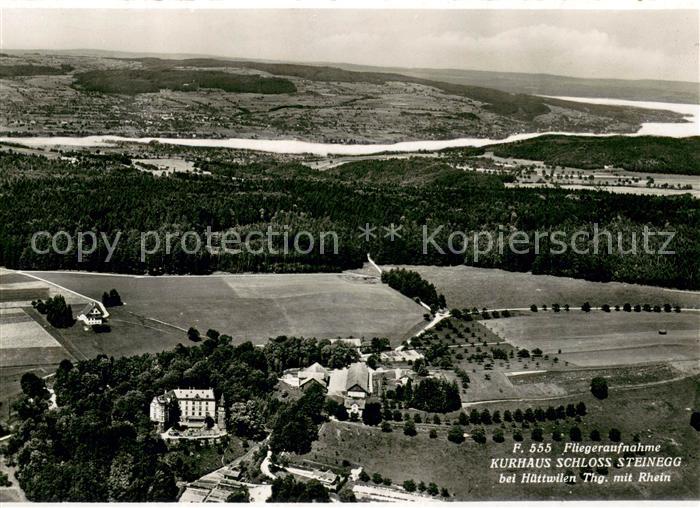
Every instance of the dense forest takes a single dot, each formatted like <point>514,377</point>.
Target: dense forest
<point>133,82</point>
<point>99,444</point>
<point>11,71</point>
<point>424,197</point>
<point>649,154</point>
<point>411,284</point>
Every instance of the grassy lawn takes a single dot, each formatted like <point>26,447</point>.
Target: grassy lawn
<point>658,414</point>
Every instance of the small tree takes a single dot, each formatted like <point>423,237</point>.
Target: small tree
<point>498,436</point>
<point>479,435</point>
<point>115,298</point>
<point>695,420</point>
<point>346,495</point>
<point>33,386</point>
<point>614,435</point>
<point>463,419</point>
<point>409,428</point>
<point>575,433</point>
<point>456,434</point>
<point>193,334</point>
<point>372,414</point>
<point>409,486</point>
<point>599,388</point>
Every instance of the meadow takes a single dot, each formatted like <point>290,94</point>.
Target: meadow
<point>657,415</point>
<point>601,339</point>
<point>247,307</point>
<point>466,286</point>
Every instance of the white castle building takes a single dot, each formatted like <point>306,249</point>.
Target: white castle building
<point>194,404</point>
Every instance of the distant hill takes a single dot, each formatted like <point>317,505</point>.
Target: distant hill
<point>323,103</point>
<point>517,105</point>
<point>549,84</point>
<point>514,82</point>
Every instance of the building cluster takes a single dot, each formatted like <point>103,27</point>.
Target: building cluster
<point>353,385</point>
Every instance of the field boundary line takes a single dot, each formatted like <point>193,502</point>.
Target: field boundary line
<point>164,323</point>
<point>59,286</point>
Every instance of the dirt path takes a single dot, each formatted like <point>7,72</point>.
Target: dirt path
<point>374,265</point>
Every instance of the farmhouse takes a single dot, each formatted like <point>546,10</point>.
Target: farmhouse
<point>403,355</point>
<point>388,379</point>
<point>93,313</point>
<point>353,385</point>
<point>314,374</point>
<point>303,378</point>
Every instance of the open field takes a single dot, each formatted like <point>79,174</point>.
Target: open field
<point>18,290</point>
<point>659,414</point>
<point>577,380</point>
<point>600,338</point>
<point>251,307</point>
<point>25,346</point>
<point>466,286</point>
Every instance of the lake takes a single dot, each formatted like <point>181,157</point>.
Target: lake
<point>293,146</point>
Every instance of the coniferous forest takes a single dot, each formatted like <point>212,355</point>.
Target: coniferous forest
<point>424,197</point>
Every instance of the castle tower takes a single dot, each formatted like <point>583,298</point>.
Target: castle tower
<point>221,414</point>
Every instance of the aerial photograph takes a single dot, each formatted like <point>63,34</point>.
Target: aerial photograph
<point>341,252</point>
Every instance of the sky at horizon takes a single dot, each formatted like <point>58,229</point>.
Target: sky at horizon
<point>636,44</point>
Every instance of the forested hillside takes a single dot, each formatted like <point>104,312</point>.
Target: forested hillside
<point>103,194</point>
<point>649,154</point>
<point>99,444</point>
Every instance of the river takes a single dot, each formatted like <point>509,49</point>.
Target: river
<point>292,146</point>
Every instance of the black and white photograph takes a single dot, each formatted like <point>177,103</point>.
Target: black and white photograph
<point>332,251</point>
